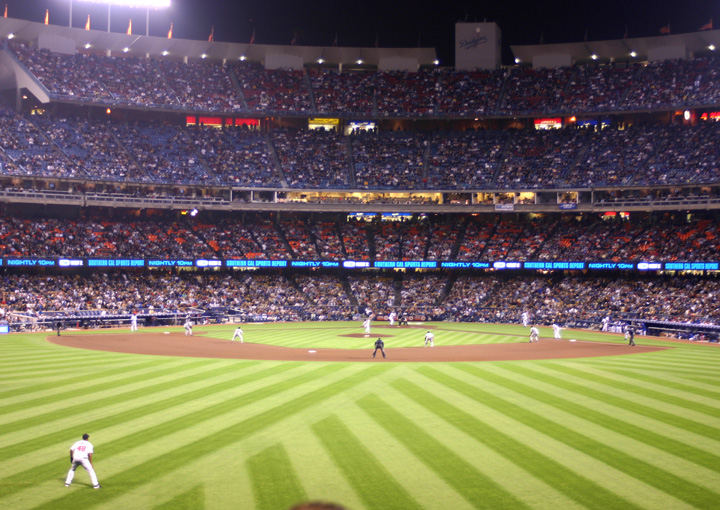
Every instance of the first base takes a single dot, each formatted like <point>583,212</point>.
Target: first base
<point>312,351</point>
<point>572,340</point>
<point>166,332</point>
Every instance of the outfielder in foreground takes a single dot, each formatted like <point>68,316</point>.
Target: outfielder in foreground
<point>81,453</point>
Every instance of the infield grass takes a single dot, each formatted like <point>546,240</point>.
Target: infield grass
<point>639,431</point>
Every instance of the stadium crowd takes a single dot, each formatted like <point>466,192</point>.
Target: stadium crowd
<point>152,152</point>
<point>275,297</point>
<point>589,237</point>
<point>200,85</point>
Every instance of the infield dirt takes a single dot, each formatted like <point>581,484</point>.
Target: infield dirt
<point>177,344</point>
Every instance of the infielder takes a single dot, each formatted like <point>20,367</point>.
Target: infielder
<point>133,321</point>
<point>81,453</point>
<point>557,332</point>
<point>534,334</point>
<point>188,327</point>
<point>429,339</point>
<point>239,335</point>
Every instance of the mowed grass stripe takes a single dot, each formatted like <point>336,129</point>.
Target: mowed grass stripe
<point>45,375</point>
<point>130,413</point>
<point>45,367</point>
<point>49,373</point>
<point>26,350</point>
<point>613,399</point>
<point>157,430</point>
<point>574,485</point>
<point>585,412</point>
<point>629,387</point>
<point>61,411</point>
<point>370,480</point>
<point>479,490</point>
<point>694,354</point>
<point>193,499</point>
<point>666,364</point>
<point>274,481</point>
<point>99,384</point>
<point>653,476</point>
<point>685,377</point>
<point>675,387</point>
<point>233,433</point>
<point>65,356</point>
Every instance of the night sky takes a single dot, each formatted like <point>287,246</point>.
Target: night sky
<point>389,23</point>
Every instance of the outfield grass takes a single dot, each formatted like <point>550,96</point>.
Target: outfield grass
<point>640,431</point>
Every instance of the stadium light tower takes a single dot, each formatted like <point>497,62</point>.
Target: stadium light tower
<point>140,4</point>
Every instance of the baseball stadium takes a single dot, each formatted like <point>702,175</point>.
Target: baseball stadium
<point>267,276</point>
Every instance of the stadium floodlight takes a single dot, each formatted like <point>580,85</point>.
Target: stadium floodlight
<point>517,60</point>
<point>320,60</point>
<point>436,62</point>
<point>243,58</point>
<point>126,49</point>
<point>204,56</point>
<point>88,46</point>
<point>165,53</point>
<point>142,4</point>
<point>594,56</point>
<point>711,47</point>
<point>11,36</point>
<point>633,54</point>
<point>359,61</point>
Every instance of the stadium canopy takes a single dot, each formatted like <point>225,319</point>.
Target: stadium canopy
<point>661,47</point>
<point>78,39</point>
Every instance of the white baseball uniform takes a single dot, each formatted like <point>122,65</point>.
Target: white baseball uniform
<point>239,335</point>
<point>534,334</point>
<point>557,331</point>
<point>392,317</point>
<point>188,327</point>
<point>366,325</point>
<point>133,322</point>
<point>81,456</point>
<point>430,339</point>
<point>525,319</point>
